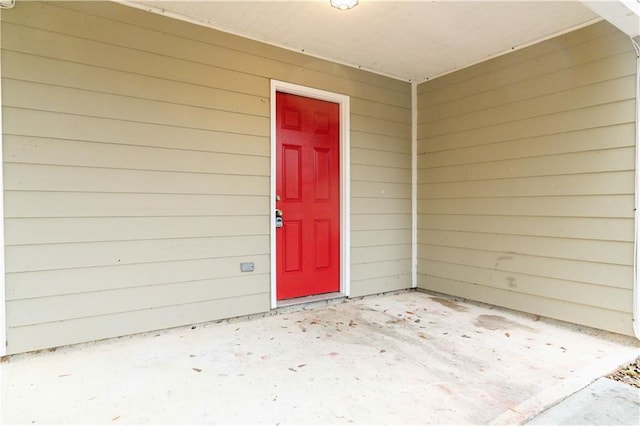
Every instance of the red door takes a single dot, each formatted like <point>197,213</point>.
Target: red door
<point>308,197</point>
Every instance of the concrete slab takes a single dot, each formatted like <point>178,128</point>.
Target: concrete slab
<point>604,402</point>
<point>408,358</point>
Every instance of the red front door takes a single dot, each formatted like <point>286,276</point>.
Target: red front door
<point>308,196</point>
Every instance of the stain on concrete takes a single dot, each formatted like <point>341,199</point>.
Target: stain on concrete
<point>497,322</point>
<point>444,389</point>
<point>449,304</point>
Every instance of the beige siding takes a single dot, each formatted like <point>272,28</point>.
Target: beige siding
<point>136,155</point>
<point>526,180</point>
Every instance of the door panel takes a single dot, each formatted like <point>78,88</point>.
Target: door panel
<point>323,243</point>
<point>292,246</point>
<point>322,176</point>
<point>292,170</point>
<point>308,187</point>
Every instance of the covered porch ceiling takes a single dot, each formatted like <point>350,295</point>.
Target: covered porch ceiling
<point>408,40</point>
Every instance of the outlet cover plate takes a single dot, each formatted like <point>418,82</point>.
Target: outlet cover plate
<point>247,267</point>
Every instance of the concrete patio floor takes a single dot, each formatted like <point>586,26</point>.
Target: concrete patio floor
<point>404,358</point>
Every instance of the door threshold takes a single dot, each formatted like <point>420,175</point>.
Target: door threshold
<point>310,299</point>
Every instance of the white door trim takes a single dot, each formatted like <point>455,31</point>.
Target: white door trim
<point>345,207</point>
<point>3,311</point>
<point>635,319</point>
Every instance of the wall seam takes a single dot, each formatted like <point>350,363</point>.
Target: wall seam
<point>414,185</point>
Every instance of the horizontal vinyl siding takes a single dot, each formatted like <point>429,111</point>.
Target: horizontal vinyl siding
<point>136,153</point>
<point>380,211</point>
<point>526,180</point>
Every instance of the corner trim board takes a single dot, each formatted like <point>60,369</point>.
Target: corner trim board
<point>414,185</point>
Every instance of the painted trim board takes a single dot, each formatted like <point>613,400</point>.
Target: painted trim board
<point>3,305</point>
<point>414,185</point>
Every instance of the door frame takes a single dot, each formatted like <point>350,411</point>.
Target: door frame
<point>345,207</point>
<point>3,301</point>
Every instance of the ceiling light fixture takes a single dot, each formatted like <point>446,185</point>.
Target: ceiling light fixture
<point>344,4</point>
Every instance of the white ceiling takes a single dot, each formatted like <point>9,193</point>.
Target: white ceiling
<point>408,40</point>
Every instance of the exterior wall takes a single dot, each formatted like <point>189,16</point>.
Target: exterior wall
<point>136,155</point>
<point>526,180</point>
